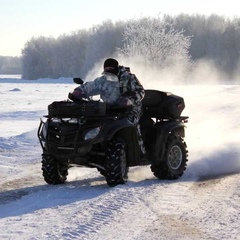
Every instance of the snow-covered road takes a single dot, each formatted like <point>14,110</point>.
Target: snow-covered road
<point>203,204</point>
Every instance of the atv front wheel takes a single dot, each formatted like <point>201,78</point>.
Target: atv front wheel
<point>175,159</point>
<point>116,163</point>
<point>54,172</point>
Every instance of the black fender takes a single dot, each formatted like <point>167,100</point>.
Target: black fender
<point>127,131</point>
<point>109,130</point>
<point>163,131</point>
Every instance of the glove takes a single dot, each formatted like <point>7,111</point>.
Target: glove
<point>129,94</point>
<point>78,93</point>
<point>123,102</point>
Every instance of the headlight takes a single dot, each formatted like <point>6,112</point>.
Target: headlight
<point>92,133</point>
<point>44,130</point>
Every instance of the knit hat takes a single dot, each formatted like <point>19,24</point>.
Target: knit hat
<point>111,66</point>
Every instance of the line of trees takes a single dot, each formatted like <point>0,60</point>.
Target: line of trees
<point>215,38</point>
<point>159,42</point>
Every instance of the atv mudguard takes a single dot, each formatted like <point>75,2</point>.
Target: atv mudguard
<point>115,127</point>
<point>163,129</point>
<point>127,131</point>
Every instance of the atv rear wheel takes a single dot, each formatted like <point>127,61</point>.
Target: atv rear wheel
<point>54,172</point>
<point>116,163</point>
<point>175,159</point>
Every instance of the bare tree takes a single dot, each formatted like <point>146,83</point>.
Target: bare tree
<point>155,42</point>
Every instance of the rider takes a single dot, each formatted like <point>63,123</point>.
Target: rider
<point>116,85</point>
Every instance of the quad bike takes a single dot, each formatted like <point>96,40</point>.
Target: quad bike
<point>89,133</point>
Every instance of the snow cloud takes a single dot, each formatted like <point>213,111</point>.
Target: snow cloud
<point>212,106</point>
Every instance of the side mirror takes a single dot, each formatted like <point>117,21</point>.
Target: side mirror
<point>78,80</point>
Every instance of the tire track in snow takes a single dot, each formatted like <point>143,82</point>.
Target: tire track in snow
<point>91,212</point>
<point>101,212</point>
<point>214,193</point>
<point>123,204</point>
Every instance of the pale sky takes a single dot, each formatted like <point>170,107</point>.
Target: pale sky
<point>20,20</point>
